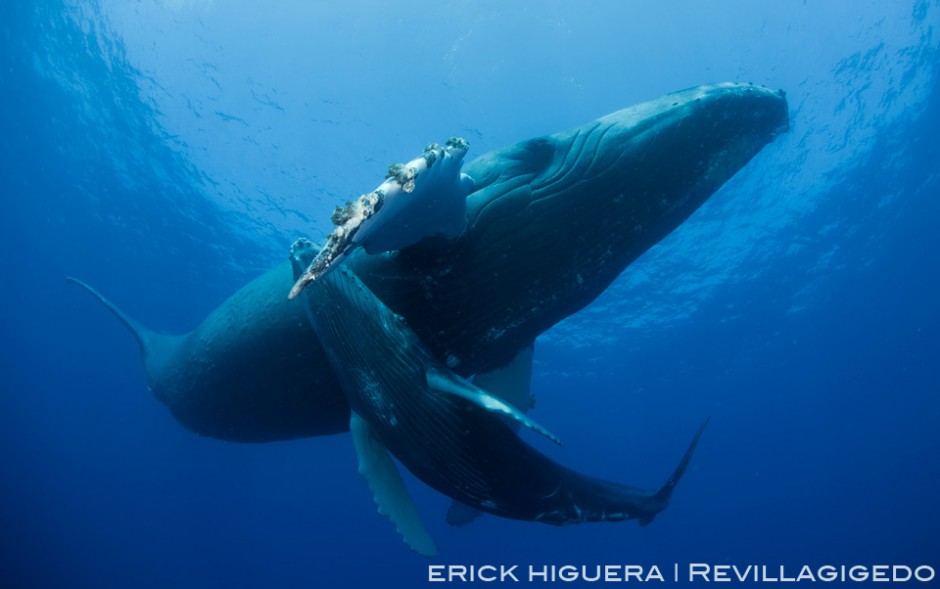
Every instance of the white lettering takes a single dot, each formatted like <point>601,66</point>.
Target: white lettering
<point>595,577</point>
<point>743,575</point>
<point>655,573</point>
<point>806,574</point>
<point>481,573</point>
<point>721,573</point>
<point>924,573</point>
<point>858,573</point>
<point>699,569</point>
<point>457,571</point>
<point>827,573</point>
<point>696,571</point>
<point>568,573</point>
<point>435,573</point>
<point>533,574</point>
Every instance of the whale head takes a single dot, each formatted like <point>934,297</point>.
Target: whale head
<point>553,220</point>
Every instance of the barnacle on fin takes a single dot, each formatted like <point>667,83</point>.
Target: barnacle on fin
<point>430,154</point>
<point>403,175</point>
<point>342,214</point>
<point>458,143</point>
<point>394,171</point>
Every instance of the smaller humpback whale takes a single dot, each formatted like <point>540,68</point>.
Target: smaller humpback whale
<point>427,197</point>
<point>447,432</point>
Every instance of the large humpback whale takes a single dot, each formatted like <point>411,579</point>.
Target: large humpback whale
<point>551,221</point>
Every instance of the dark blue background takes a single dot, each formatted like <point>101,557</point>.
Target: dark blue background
<point>156,152</point>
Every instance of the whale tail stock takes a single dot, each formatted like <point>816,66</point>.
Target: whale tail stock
<point>661,498</point>
<point>144,336</point>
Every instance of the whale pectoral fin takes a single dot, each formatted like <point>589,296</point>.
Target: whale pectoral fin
<point>424,198</point>
<point>449,383</point>
<point>388,490</point>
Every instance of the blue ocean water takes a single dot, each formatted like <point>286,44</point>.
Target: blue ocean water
<point>168,151</point>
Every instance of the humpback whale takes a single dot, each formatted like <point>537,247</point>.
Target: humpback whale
<point>442,428</point>
<point>550,223</point>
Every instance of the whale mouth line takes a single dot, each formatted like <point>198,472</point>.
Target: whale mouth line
<point>780,129</point>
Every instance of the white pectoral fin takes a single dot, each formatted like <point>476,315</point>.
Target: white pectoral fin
<point>388,490</point>
<point>449,383</point>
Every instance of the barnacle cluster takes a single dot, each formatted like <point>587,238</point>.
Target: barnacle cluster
<point>404,175</point>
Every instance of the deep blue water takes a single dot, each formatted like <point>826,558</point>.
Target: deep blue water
<point>168,152</point>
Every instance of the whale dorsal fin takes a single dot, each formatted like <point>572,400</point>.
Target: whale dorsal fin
<point>511,383</point>
<point>445,381</point>
<point>388,490</point>
<point>461,514</point>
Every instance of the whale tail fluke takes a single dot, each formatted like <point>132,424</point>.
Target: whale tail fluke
<point>143,335</point>
<point>664,494</point>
